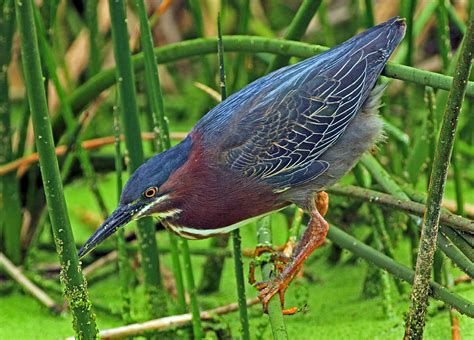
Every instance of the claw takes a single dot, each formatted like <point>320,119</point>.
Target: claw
<point>268,289</point>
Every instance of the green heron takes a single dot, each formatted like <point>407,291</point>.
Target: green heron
<point>280,140</point>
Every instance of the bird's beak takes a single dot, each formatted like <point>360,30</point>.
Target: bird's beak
<point>120,217</point>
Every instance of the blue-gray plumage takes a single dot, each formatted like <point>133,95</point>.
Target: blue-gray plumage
<point>282,139</point>
<point>284,122</point>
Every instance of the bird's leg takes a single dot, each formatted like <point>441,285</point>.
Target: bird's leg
<point>321,206</point>
<point>313,237</point>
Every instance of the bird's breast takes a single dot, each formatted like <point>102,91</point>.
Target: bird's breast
<point>213,199</point>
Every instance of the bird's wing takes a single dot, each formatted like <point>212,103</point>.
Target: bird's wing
<point>282,124</point>
<point>288,137</point>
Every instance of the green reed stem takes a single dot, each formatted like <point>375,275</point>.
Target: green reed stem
<point>236,240</point>
<point>264,238</point>
<point>442,32</point>
<point>152,78</point>
<point>177,272</point>
<point>130,122</point>
<point>71,275</point>
<point>381,236</point>
<point>369,13</point>
<point>65,166</point>
<point>444,51</point>
<point>396,133</point>
<point>93,66</point>
<point>387,182</point>
<point>173,52</point>
<point>295,225</point>
<point>10,206</point>
<point>458,182</point>
<point>346,241</point>
<point>72,126</point>
<point>327,33</point>
<point>460,259</point>
<point>455,18</point>
<point>188,271</point>
<point>241,77</point>
<point>418,26</point>
<point>199,28</point>
<point>464,246</point>
<point>197,17</point>
<point>410,36</point>
<point>296,30</point>
<point>416,319</point>
<point>161,131</point>
<point>23,130</point>
<point>123,265</point>
<point>397,202</point>
<point>384,278</point>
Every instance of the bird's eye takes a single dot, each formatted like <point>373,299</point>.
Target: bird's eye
<point>150,192</point>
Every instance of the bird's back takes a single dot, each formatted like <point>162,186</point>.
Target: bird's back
<point>276,129</point>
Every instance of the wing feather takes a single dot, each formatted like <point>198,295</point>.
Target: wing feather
<point>282,124</point>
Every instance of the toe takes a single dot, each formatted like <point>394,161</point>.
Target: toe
<point>290,311</point>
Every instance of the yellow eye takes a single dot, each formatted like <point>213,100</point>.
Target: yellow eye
<point>150,192</point>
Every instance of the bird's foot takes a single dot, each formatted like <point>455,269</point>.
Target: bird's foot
<point>278,259</point>
<point>268,289</point>
<point>287,268</point>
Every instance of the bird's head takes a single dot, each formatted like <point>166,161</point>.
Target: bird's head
<point>145,194</point>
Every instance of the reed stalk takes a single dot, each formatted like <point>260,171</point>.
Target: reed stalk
<point>213,266</point>
<point>444,45</point>
<point>453,15</point>
<point>190,48</point>
<point>329,39</point>
<point>73,128</point>
<point>129,120</point>
<point>467,248</point>
<point>416,318</point>
<point>369,13</point>
<point>418,26</point>
<point>384,282</point>
<point>346,241</point>
<point>161,130</point>
<point>122,257</point>
<point>381,239</point>
<point>442,33</point>
<point>296,30</point>
<point>188,274</point>
<point>10,206</point>
<point>241,77</point>
<point>22,130</point>
<point>71,276</point>
<point>199,28</point>
<point>389,184</point>
<point>396,202</point>
<point>264,238</point>
<point>93,67</point>
<point>236,240</point>
<point>410,7</point>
